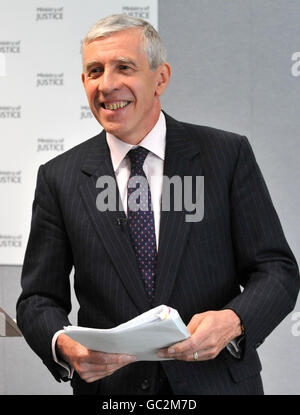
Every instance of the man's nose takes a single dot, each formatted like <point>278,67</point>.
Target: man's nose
<point>109,82</point>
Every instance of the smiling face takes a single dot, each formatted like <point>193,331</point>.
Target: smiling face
<point>123,92</point>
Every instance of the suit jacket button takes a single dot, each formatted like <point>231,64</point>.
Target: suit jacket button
<point>145,385</point>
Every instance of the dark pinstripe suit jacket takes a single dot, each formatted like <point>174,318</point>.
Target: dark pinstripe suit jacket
<point>201,266</point>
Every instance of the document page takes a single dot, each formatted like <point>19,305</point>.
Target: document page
<point>142,336</point>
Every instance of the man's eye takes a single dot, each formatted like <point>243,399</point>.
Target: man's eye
<point>95,71</point>
<point>124,67</point>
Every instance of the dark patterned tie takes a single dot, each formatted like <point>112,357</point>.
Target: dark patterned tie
<point>141,221</point>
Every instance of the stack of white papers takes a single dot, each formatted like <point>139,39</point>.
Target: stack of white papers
<point>142,336</point>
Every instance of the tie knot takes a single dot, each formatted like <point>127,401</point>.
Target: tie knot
<point>137,157</point>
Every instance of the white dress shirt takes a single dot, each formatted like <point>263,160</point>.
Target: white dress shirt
<point>155,142</point>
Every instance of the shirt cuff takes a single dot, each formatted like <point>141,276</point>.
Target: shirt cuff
<point>65,370</point>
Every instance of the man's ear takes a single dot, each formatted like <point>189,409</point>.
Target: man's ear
<point>83,78</point>
<point>163,78</point>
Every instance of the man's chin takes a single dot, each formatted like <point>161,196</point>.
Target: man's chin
<point>116,131</point>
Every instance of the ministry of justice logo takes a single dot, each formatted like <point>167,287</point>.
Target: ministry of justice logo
<point>49,13</point>
<point>85,112</point>
<point>178,194</point>
<point>137,11</point>
<point>10,241</point>
<point>10,46</point>
<point>8,112</point>
<point>50,79</point>
<point>10,177</point>
<point>50,144</point>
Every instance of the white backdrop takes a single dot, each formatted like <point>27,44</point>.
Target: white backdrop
<point>43,108</point>
<point>236,66</point>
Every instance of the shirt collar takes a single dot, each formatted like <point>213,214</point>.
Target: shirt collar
<point>154,141</point>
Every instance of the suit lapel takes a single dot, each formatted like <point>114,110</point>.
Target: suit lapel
<point>114,236</point>
<point>180,150</point>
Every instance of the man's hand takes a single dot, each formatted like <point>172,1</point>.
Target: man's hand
<point>90,365</point>
<point>210,333</point>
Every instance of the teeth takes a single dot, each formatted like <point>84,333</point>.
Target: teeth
<point>116,105</point>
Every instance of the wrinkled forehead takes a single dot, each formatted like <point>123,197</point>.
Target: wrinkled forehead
<point>126,45</point>
<point>123,37</point>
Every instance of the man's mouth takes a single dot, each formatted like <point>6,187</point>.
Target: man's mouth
<point>115,105</point>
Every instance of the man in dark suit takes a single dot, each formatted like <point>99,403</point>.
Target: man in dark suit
<point>196,267</point>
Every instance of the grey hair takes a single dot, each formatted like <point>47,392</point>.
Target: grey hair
<point>153,46</point>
